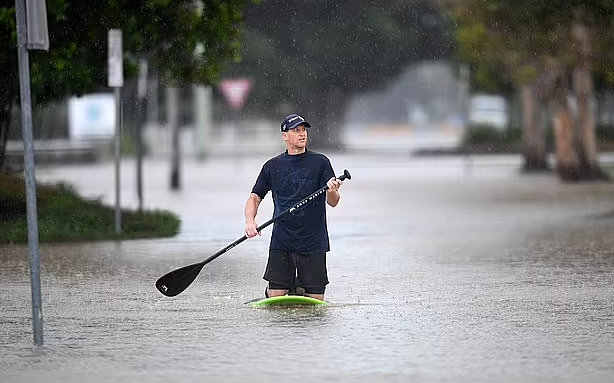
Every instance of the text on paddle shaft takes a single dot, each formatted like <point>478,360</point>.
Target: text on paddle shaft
<point>314,195</point>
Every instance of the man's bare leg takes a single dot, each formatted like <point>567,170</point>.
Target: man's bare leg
<point>276,292</point>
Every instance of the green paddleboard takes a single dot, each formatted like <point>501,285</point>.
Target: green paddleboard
<point>287,300</point>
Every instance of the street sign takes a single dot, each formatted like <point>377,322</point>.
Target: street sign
<point>115,59</point>
<point>235,91</point>
<point>37,34</point>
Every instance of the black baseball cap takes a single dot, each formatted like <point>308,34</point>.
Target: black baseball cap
<point>292,121</point>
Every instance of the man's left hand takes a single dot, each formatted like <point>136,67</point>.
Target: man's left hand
<point>334,184</point>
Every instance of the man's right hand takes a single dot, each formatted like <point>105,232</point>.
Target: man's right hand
<point>251,229</point>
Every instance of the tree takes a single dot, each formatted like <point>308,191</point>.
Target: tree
<point>313,55</point>
<point>499,41</point>
<point>166,32</point>
<point>541,45</point>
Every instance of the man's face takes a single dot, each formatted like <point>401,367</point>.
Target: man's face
<point>296,137</point>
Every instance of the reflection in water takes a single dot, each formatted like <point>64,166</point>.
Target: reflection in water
<point>296,317</point>
<point>499,281</point>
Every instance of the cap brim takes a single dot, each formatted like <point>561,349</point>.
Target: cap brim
<point>307,125</point>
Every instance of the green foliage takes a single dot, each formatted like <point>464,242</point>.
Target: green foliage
<point>523,37</point>
<point>168,33</point>
<point>64,216</point>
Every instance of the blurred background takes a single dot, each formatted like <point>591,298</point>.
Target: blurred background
<point>423,76</point>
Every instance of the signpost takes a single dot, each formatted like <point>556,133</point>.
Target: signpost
<point>31,18</point>
<point>142,95</point>
<point>116,80</point>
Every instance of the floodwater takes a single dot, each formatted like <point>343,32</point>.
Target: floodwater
<point>441,269</point>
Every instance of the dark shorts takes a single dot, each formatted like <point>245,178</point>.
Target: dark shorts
<point>283,266</point>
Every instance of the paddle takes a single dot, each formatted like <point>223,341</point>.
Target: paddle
<point>174,282</point>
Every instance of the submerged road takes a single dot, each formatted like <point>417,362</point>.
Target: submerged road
<point>441,269</point>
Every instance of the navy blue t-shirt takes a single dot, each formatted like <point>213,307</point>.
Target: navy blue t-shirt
<point>291,178</point>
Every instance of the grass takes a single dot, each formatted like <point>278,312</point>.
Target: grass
<point>64,216</point>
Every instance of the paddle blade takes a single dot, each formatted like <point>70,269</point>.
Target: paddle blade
<point>173,283</point>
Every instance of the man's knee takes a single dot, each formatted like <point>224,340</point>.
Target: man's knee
<point>278,286</point>
<point>314,290</point>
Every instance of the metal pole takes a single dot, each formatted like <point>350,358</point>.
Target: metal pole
<point>118,131</point>
<point>116,81</point>
<point>464,109</point>
<point>139,153</point>
<point>142,104</point>
<point>30,179</point>
<point>202,119</point>
<point>172,97</point>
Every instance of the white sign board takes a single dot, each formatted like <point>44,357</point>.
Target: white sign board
<point>91,116</point>
<point>235,91</point>
<point>116,59</point>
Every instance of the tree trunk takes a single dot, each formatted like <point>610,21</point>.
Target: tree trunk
<point>583,89</point>
<point>567,164</point>
<point>5,124</point>
<point>535,156</point>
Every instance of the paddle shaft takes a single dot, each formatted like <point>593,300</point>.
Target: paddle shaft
<point>346,174</point>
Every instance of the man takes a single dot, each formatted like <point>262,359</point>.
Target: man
<point>299,241</point>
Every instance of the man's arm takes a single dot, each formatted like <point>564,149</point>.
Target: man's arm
<point>332,193</point>
<point>251,210</point>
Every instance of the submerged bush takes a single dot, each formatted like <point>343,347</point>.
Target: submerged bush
<point>64,216</point>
